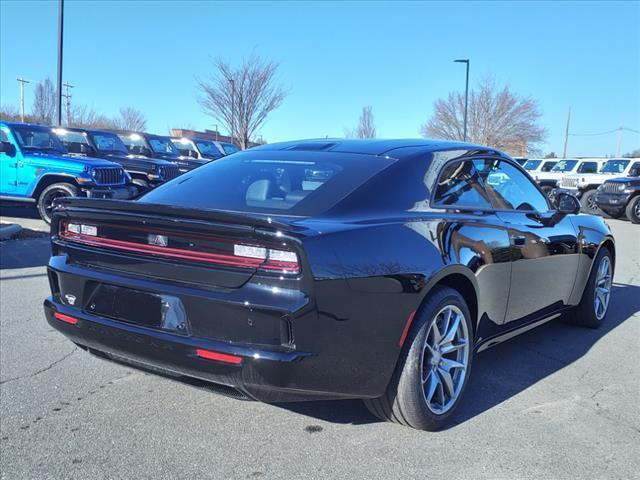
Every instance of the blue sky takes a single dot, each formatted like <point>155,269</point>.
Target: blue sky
<point>337,58</point>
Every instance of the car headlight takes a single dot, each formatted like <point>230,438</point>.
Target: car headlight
<point>86,177</point>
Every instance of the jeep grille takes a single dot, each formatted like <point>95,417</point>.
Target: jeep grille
<point>109,176</point>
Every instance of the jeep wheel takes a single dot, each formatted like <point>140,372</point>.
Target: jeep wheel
<point>546,189</point>
<point>52,193</point>
<point>588,202</point>
<point>633,209</point>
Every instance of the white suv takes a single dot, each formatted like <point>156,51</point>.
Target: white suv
<point>549,180</point>
<point>584,186</point>
<point>537,165</point>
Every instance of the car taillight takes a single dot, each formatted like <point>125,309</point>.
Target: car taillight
<point>212,250</point>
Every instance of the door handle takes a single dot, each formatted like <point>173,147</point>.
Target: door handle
<point>518,240</point>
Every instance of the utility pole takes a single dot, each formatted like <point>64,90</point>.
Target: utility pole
<point>619,139</point>
<point>566,135</point>
<point>216,125</point>
<point>67,97</point>
<point>22,82</point>
<point>466,96</point>
<point>60,36</point>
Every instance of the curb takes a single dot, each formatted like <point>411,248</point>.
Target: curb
<point>8,230</point>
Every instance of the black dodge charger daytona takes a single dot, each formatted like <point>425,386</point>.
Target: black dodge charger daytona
<point>328,269</point>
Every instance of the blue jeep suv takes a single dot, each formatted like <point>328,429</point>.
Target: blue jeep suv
<point>36,167</point>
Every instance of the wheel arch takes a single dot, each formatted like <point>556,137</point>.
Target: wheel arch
<point>49,179</point>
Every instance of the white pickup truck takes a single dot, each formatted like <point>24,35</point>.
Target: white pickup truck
<point>584,186</point>
<point>568,166</point>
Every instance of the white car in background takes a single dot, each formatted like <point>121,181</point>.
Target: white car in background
<point>538,165</point>
<point>567,166</point>
<point>584,186</point>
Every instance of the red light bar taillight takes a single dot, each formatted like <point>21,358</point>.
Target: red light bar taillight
<point>220,357</point>
<point>227,252</point>
<point>65,318</point>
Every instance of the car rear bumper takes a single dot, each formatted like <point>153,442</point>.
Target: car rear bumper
<point>261,374</point>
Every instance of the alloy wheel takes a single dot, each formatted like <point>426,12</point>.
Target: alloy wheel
<point>591,203</point>
<point>603,288</point>
<point>50,198</point>
<point>445,359</point>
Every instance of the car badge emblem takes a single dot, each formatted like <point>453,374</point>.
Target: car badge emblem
<point>158,240</point>
<point>71,299</point>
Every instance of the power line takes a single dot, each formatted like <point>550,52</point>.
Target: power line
<point>608,132</point>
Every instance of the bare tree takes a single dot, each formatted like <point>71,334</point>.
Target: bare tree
<point>241,98</point>
<point>131,119</point>
<point>85,117</point>
<point>44,102</point>
<point>497,118</point>
<point>365,128</point>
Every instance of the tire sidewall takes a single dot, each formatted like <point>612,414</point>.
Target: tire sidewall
<point>410,381</point>
<point>587,311</point>
<point>633,218</point>
<point>69,189</point>
<point>584,201</point>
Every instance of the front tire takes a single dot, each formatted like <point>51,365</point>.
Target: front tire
<point>52,193</point>
<point>588,202</point>
<point>633,210</point>
<point>434,365</point>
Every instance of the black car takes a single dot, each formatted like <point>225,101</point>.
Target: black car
<point>157,146</point>
<point>621,196</point>
<point>145,172</point>
<point>329,269</point>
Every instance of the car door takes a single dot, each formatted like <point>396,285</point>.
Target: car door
<point>474,235</point>
<point>8,166</point>
<point>544,243</point>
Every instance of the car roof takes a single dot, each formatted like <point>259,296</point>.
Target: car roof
<point>374,146</point>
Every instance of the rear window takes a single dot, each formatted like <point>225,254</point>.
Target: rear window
<point>286,183</point>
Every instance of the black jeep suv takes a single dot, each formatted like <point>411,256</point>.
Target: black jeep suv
<point>619,196</point>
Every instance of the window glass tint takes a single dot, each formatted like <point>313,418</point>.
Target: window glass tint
<point>229,148</point>
<point>615,166</point>
<point>132,140</point>
<point>37,138</point>
<point>162,145</point>
<point>532,164</point>
<point>109,142</point>
<point>564,166</point>
<point>269,182</point>
<point>510,189</point>
<point>588,167</point>
<point>3,136</point>
<point>185,147</point>
<point>548,166</point>
<point>461,184</point>
<point>208,149</point>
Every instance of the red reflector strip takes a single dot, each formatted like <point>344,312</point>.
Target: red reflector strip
<point>217,258</point>
<point>65,318</point>
<point>407,326</point>
<point>220,357</point>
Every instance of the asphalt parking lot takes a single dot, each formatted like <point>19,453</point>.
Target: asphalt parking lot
<point>557,402</point>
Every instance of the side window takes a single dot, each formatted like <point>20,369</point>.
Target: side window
<point>635,169</point>
<point>588,167</point>
<point>3,136</point>
<point>548,166</point>
<point>460,185</point>
<point>511,189</point>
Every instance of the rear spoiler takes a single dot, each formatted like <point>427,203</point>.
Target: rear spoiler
<point>167,212</point>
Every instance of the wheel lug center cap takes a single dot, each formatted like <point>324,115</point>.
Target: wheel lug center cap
<point>436,358</point>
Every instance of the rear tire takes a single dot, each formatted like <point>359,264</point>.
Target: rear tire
<point>431,375</point>
<point>51,193</point>
<point>596,298</point>
<point>633,209</point>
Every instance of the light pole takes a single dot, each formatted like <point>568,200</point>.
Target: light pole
<point>60,36</point>
<point>22,82</point>
<point>466,96</point>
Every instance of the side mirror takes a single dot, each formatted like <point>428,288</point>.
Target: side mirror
<point>144,151</point>
<point>8,148</point>
<point>193,154</point>
<point>567,203</point>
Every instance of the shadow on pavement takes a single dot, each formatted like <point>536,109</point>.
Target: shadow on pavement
<point>505,370</point>
<point>33,252</point>
<point>19,210</point>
